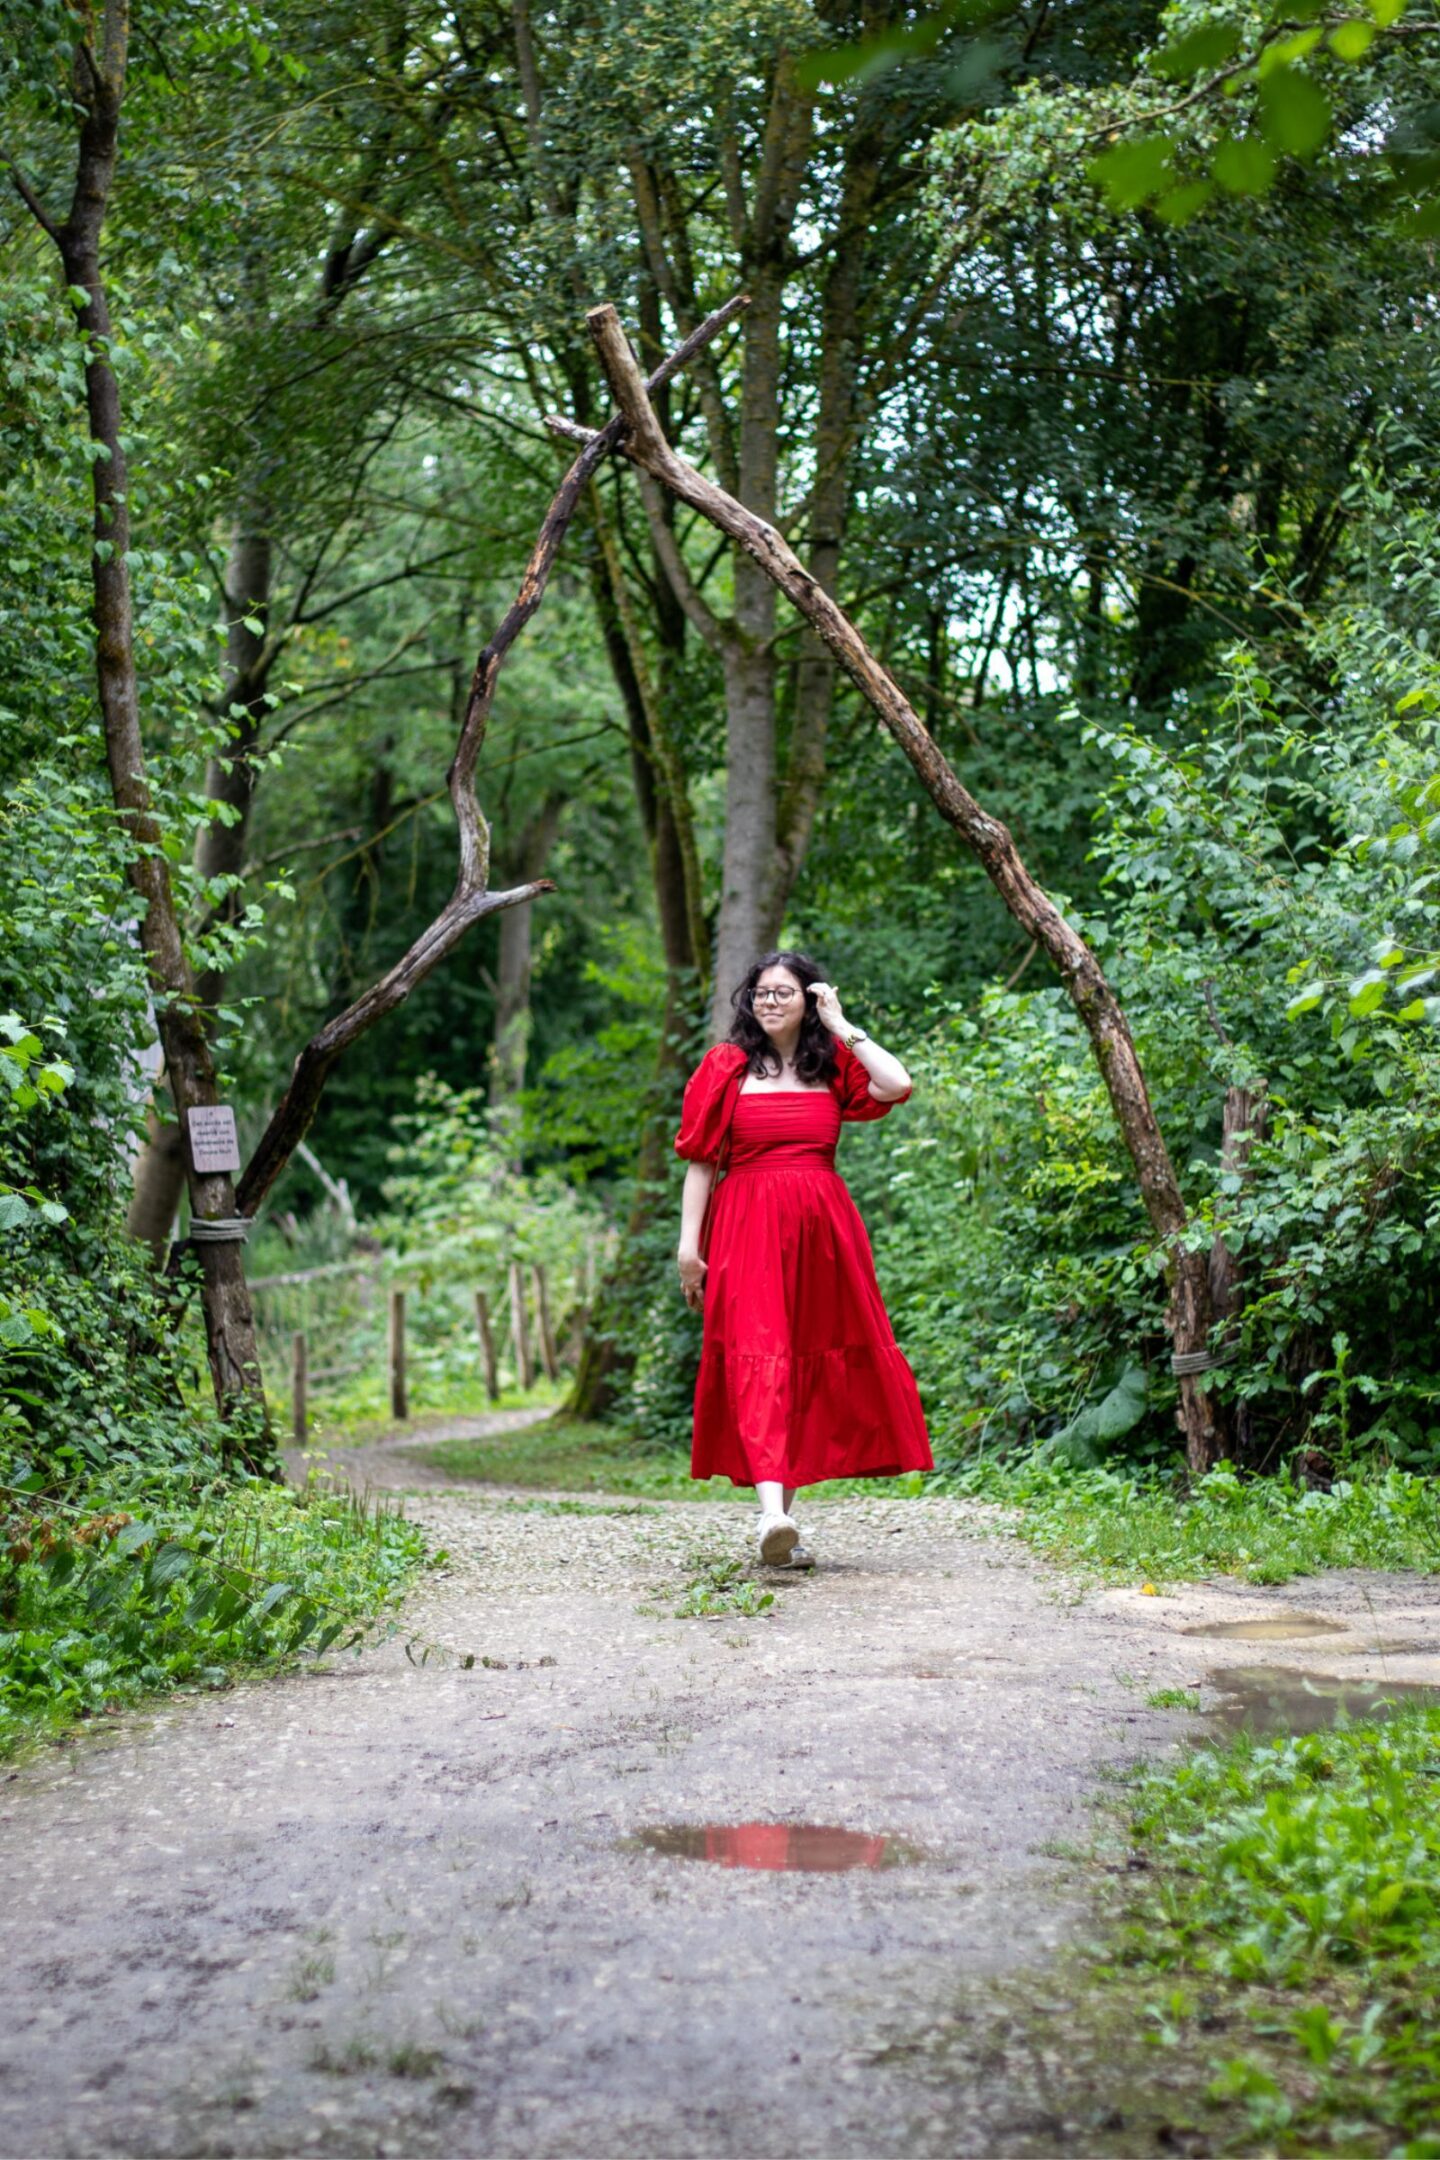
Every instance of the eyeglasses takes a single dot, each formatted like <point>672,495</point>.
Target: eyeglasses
<point>772,997</point>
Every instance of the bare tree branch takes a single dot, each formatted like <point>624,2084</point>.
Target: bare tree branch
<point>472,899</point>
<point>32,201</point>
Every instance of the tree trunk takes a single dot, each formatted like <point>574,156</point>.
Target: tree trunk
<point>1242,1124</point>
<point>230,778</point>
<point>159,1182</point>
<point>1191,1315</point>
<point>512,978</point>
<point>229,1324</point>
<point>751,899</point>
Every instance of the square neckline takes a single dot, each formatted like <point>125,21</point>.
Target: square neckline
<point>747,1094</point>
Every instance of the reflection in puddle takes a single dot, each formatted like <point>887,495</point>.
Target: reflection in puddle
<point>1271,1699</point>
<point>1292,1627</point>
<point>806,1848</point>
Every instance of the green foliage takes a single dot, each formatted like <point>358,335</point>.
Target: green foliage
<point>1301,1875</point>
<point>1131,1526</point>
<point>152,1581</point>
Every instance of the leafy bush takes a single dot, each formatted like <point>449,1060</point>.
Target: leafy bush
<point>152,1582</point>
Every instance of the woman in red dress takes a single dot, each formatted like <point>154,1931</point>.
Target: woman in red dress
<point>801,1378</point>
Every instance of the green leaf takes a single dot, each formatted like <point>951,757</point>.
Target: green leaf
<point>1366,992</point>
<point>1081,1442</point>
<point>1286,49</point>
<point>1184,202</point>
<point>1386,12</point>
<point>1305,1002</point>
<point>1352,40</point>
<point>132,1537</point>
<point>1200,49</point>
<point>1422,223</point>
<point>270,1599</point>
<point>1130,173</point>
<point>1295,113</point>
<point>1244,165</point>
<point>170,1563</point>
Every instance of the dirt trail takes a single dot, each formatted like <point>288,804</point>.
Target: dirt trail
<point>382,1909</point>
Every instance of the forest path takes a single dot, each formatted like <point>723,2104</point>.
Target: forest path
<point>378,1908</point>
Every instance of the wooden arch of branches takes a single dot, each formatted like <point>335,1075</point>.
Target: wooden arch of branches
<point>1198,1281</point>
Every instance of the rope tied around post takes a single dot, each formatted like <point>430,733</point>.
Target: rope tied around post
<point>220,1229</point>
<point>1184,1362</point>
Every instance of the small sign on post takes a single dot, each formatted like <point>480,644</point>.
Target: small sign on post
<point>214,1147</point>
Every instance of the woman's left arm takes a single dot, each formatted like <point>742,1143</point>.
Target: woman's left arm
<point>888,1076</point>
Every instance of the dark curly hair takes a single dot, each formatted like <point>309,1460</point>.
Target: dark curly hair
<point>815,1052</point>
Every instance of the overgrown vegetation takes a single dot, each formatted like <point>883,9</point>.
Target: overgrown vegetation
<point>156,1580</point>
<point>1288,1908</point>
<point>1142,1526</point>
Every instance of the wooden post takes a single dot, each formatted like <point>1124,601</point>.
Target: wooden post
<point>547,1334</point>
<point>487,1345</point>
<point>299,1370</point>
<point>519,1332</point>
<point>398,1405</point>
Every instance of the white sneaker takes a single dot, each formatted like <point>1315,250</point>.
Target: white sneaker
<point>778,1537</point>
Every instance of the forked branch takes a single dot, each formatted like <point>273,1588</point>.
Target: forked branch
<point>472,899</point>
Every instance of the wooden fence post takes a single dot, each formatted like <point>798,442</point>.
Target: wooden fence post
<point>547,1334</point>
<point>398,1405</point>
<point>487,1345</point>
<point>519,1332</point>
<point>298,1377</point>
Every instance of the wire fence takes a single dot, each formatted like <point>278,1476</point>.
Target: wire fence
<point>347,1332</point>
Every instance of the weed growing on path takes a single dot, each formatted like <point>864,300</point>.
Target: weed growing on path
<point>1292,1898</point>
<point>720,1584</point>
<point>1130,1527</point>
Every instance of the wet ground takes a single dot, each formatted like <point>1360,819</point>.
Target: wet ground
<point>724,1888</point>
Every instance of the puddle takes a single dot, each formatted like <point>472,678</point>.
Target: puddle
<point>1292,1627</point>
<point>1272,1699</point>
<point>800,1848</point>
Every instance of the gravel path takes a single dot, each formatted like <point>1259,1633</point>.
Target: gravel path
<point>379,1908</point>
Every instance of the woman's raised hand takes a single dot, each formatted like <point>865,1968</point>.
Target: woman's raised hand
<point>827,1005</point>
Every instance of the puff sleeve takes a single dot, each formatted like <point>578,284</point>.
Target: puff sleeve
<point>705,1111</point>
<point>852,1084</point>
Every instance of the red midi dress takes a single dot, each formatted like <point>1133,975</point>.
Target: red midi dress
<point>800,1378</point>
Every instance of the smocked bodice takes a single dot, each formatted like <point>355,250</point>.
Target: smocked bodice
<point>779,1126</point>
